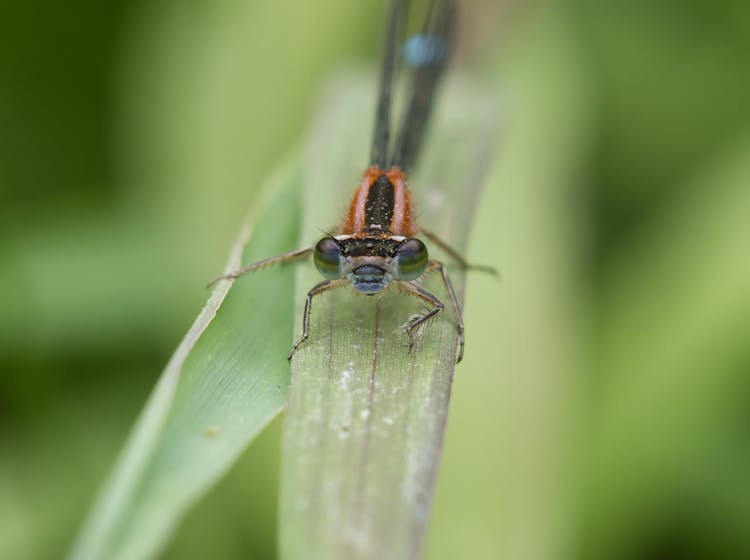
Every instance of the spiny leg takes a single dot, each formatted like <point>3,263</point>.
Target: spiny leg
<point>437,265</point>
<point>418,291</point>
<point>318,289</point>
<point>453,254</point>
<point>286,257</point>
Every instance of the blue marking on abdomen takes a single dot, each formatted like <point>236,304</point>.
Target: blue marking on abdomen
<point>424,50</point>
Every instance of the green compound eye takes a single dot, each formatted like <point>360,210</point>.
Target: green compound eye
<point>327,258</point>
<point>412,259</point>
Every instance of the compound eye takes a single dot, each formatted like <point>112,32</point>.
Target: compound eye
<point>327,258</point>
<point>412,259</point>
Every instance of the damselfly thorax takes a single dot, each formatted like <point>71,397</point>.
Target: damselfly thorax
<point>381,203</point>
<point>376,243</point>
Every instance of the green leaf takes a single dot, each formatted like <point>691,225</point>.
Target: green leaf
<point>364,427</point>
<point>225,382</point>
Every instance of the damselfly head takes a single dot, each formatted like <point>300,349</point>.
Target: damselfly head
<point>370,262</point>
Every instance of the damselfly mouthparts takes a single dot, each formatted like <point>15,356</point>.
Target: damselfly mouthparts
<point>377,244</point>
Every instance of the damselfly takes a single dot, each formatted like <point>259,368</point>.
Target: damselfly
<point>377,245</point>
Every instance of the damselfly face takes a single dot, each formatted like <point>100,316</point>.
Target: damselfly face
<point>369,262</point>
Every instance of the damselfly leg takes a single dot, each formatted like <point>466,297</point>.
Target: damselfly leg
<point>297,255</point>
<point>324,286</point>
<point>455,255</point>
<point>416,290</point>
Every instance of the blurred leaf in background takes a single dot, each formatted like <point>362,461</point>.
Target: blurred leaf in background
<point>602,407</point>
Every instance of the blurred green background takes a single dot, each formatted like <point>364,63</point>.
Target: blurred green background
<point>602,409</point>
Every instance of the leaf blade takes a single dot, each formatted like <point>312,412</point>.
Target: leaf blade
<point>365,420</point>
<point>226,381</point>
